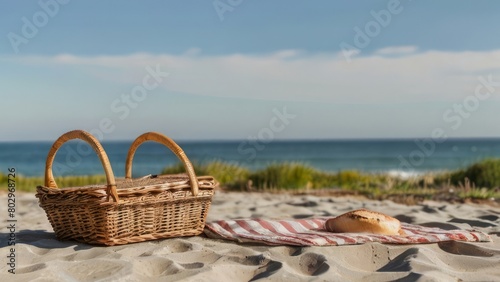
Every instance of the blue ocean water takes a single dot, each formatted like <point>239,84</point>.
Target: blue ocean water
<point>398,156</point>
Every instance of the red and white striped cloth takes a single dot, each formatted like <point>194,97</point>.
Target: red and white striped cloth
<point>311,232</point>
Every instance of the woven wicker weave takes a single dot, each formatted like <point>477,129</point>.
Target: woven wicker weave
<point>128,210</point>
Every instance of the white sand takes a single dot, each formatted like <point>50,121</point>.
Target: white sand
<point>40,257</point>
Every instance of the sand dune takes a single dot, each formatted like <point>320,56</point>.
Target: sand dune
<point>40,257</point>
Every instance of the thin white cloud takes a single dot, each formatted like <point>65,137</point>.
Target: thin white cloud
<point>193,52</point>
<point>397,50</point>
<point>284,54</point>
<point>293,75</point>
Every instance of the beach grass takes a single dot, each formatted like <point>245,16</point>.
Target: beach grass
<point>482,174</point>
<point>479,181</point>
<point>29,184</point>
<point>230,175</point>
<point>301,178</point>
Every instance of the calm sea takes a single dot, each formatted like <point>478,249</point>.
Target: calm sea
<point>395,156</point>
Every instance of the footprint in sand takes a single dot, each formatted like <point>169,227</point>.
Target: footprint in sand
<point>182,246</point>
<point>490,217</point>
<point>461,248</point>
<point>194,265</point>
<point>92,254</point>
<point>31,268</point>
<point>249,260</point>
<point>301,216</point>
<point>477,223</point>
<point>155,266</point>
<point>313,264</point>
<point>306,204</point>
<point>405,218</point>
<point>400,263</point>
<point>98,269</point>
<point>267,270</point>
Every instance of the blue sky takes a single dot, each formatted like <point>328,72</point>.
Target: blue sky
<point>410,68</point>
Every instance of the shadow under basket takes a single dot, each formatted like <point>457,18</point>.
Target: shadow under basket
<point>128,210</point>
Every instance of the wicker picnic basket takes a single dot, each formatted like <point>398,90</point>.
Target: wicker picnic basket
<point>127,210</point>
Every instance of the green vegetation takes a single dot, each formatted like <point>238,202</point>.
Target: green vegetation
<point>230,175</point>
<point>286,176</point>
<point>29,184</point>
<point>479,181</point>
<point>483,174</point>
<point>296,177</point>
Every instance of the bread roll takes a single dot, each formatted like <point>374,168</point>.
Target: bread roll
<point>364,221</point>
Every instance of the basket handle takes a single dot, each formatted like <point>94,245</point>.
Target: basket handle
<point>94,143</point>
<point>160,138</point>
